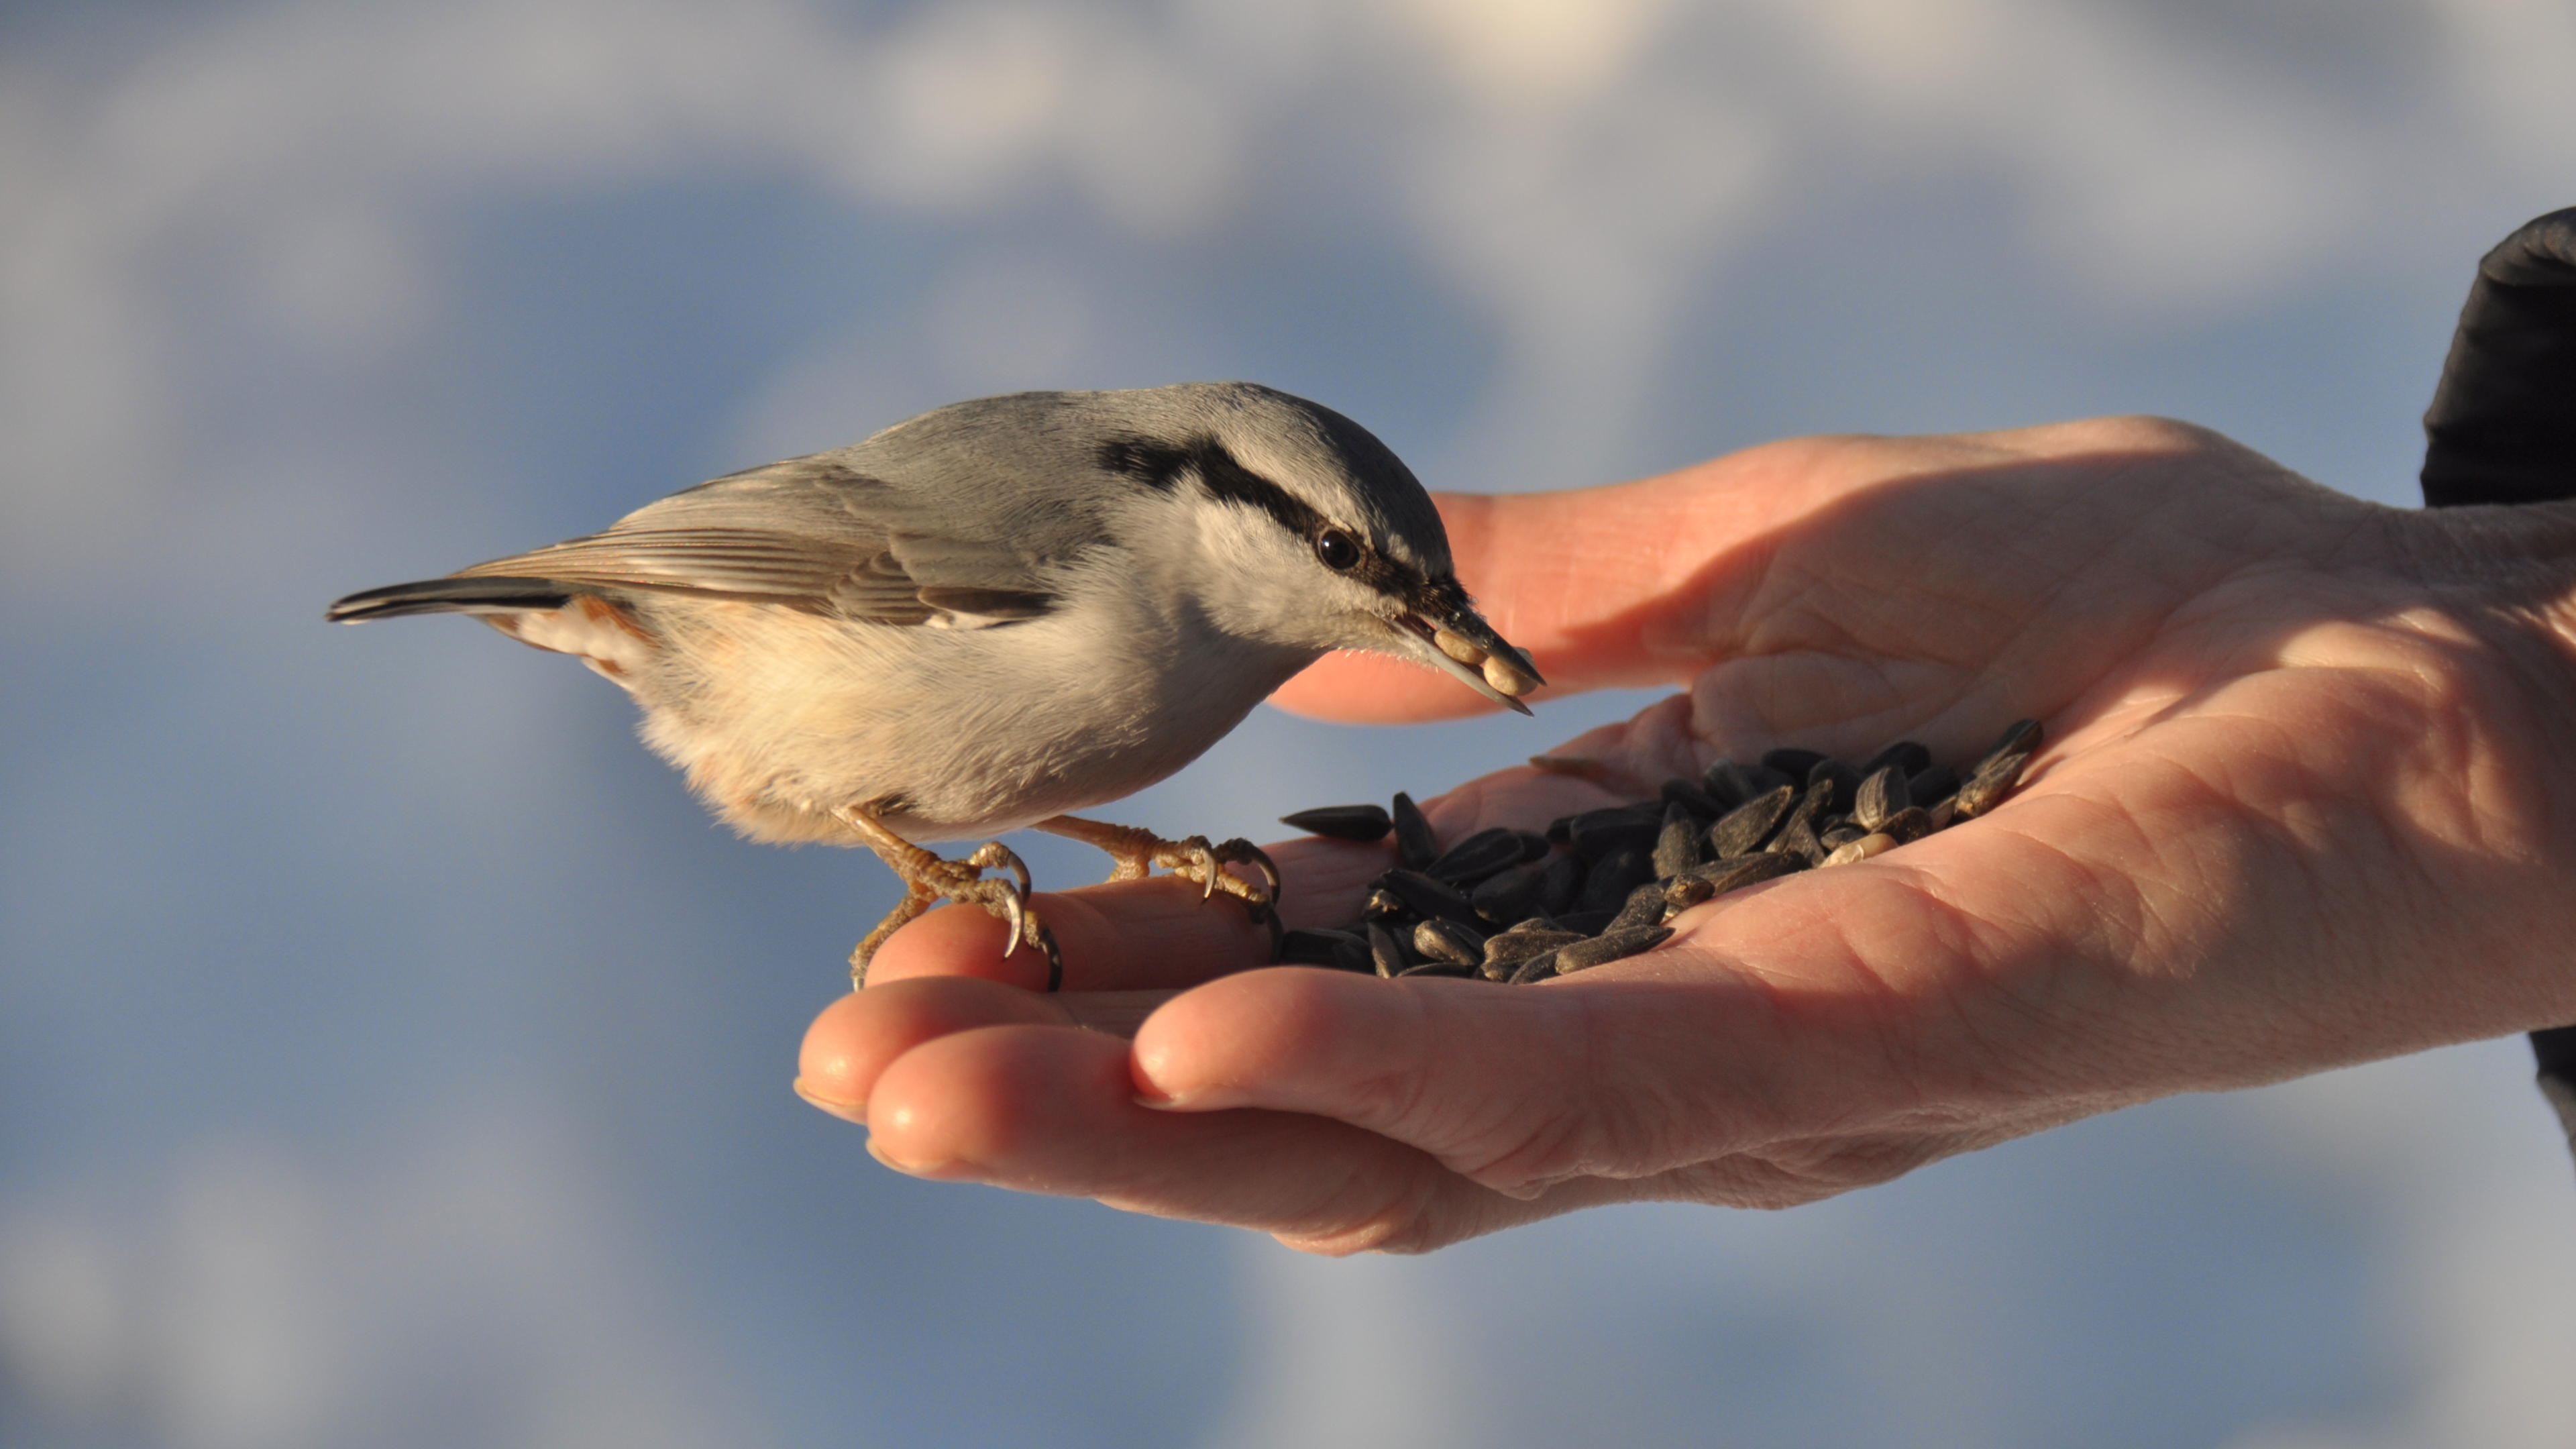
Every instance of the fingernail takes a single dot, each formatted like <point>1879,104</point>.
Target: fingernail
<point>847,1111</point>
<point>908,1169</point>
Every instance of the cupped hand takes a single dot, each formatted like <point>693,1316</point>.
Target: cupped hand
<point>2305,803</point>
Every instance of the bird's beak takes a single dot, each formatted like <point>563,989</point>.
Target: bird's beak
<point>1464,646</point>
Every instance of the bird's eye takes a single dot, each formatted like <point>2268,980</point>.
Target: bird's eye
<point>1339,551</point>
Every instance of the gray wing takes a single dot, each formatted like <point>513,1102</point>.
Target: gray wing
<point>813,534</point>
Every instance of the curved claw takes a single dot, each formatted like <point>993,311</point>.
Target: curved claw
<point>1203,856</point>
<point>1239,849</point>
<point>994,853</point>
<point>1019,919</point>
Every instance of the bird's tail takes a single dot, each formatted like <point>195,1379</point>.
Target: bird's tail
<point>450,596</point>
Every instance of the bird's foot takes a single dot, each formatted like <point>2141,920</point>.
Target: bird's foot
<point>1135,852</point>
<point>929,879</point>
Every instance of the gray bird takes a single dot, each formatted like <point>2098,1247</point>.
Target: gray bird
<point>993,614</point>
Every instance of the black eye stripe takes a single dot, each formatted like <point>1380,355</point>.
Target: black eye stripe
<point>1161,466</point>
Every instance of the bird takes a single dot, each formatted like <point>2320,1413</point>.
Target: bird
<point>992,615</point>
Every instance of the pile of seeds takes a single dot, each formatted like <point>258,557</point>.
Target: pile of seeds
<point>1521,906</point>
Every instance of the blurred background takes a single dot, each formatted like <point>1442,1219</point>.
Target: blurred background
<point>391,1054</point>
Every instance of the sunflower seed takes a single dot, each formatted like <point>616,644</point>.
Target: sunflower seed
<point>1485,852</point>
<point>1907,825</point>
<point>1507,676</point>
<point>1747,870</point>
<point>1726,784</point>
<point>1602,950</point>
<point>1688,795</point>
<point>1880,795</point>
<point>1438,968</point>
<point>1606,885</point>
<point>1677,844</point>
<point>1510,895</point>
<point>1840,779</point>
<point>1448,941</point>
<point>1797,834</point>
<point>1596,834</point>
<point>1559,883</point>
<point>1685,891</point>
<point>1744,829</point>
<point>1931,785</point>
<point>1861,849</point>
<point>2000,770</point>
<point>1415,845</point>
<point>1342,822</point>
<point>1644,907</point>
<point>1423,896</point>
<point>1386,952</point>
<point>1586,923</point>
<point>1504,954</point>
<point>1840,833</point>
<point>1792,762</point>
<point>1384,905</point>
<point>1909,758</point>
<point>1308,947</point>
<point>1536,968</point>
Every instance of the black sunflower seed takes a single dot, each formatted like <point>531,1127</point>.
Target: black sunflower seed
<point>1586,923</point>
<point>1841,779</point>
<point>2000,770</point>
<point>1386,952</point>
<point>1537,968</point>
<point>1423,896</point>
<point>1602,950</point>
<point>1689,795</point>
<point>1476,857</point>
<point>1438,968</point>
<point>1744,829</point>
<point>1909,758</point>
<point>1677,844</point>
<point>1448,941</point>
<point>1607,883</point>
<point>1558,883</point>
<point>1505,952</point>
<point>1309,947</point>
<point>1732,875</point>
<point>1931,785</point>
<point>1596,834</point>
<point>1342,822</point>
<point>1907,825</point>
<point>1415,845</point>
<point>1510,895</point>
<point>1644,907</point>
<point>1794,763</point>
<point>1880,795</point>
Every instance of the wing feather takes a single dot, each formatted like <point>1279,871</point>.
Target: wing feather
<point>809,534</point>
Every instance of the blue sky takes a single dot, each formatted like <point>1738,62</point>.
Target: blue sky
<point>391,1053</point>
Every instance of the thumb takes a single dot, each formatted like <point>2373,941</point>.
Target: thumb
<point>1627,584</point>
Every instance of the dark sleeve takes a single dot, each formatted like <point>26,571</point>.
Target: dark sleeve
<point>2502,429</point>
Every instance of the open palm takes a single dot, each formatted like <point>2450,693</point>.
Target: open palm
<point>2304,804</point>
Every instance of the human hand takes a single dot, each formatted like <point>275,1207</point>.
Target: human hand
<point>2304,804</point>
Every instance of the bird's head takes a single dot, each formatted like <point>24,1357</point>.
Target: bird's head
<point>1303,530</point>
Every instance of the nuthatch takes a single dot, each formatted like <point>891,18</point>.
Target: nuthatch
<point>993,614</point>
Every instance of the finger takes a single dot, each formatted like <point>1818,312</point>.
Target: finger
<point>1127,936</point>
<point>1601,586</point>
<point>1054,1111</point>
<point>855,1038</point>
<point>1516,1088</point>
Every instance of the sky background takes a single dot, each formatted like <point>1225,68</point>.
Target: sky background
<point>391,1054</point>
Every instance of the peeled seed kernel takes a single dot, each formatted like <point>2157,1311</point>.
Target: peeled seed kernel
<point>1459,647</point>
<point>1508,677</point>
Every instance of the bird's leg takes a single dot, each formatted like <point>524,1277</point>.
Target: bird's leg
<point>928,877</point>
<point>1136,851</point>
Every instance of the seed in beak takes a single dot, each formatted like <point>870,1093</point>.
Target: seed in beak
<point>1508,677</point>
<point>1464,650</point>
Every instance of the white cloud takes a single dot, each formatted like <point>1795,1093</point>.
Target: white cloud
<point>266,1302</point>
